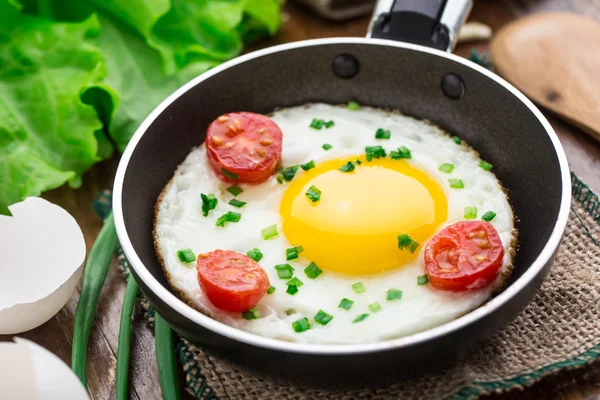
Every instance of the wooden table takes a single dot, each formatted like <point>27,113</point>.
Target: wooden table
<point>56,334</point>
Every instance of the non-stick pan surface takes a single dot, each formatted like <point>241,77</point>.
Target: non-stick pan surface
<point>490,115</point>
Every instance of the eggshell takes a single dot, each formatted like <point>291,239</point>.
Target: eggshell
<point>41,255</point>
<point>30,372</point>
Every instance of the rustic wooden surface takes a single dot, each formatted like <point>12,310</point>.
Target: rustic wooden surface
<point>56,335</point>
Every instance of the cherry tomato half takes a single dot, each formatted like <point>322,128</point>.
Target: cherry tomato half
<point>244,147</point>
<point>463,256</point>
<point>231,281</point>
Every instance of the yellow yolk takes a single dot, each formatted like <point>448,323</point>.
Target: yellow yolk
<point>353,228</point>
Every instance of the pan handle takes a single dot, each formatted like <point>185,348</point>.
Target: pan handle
<point>432,23</point>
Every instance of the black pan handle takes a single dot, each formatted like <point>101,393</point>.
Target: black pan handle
<point>432,23</point>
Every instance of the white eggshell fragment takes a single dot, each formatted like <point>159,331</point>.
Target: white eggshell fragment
<point>42,250</point>
<point>30,372</point>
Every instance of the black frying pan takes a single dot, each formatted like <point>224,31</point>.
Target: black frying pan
<point>459,96</point>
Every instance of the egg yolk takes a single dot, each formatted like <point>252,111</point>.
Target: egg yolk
<point>354,227</point>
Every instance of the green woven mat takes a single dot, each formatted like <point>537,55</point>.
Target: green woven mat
<point>559,330</point>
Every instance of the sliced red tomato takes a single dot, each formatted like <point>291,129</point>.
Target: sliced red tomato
<point>464,256</point>
<point>231,281</point>
<point>244,147</point>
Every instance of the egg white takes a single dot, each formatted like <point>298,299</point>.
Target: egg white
<point>179,224</point>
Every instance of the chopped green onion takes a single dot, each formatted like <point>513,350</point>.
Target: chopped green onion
<point>447,168</point>
<point>329,124</point>
<point>405,241</point>
<point>292,289</point>
<point>327,146</point>
<point>308,165</point>
<point>456,139</point>
<point>209,202</point>
<point>323,318</point>
<point>295,282</point>
<point>186,255</point>
<point>228,174</point>
<point>414,245</point>
<point>382,134</point>
<point>470,212</point>
<point>280,179</point>
<point>360,318</point>
<point>255,254</point>
<point>374,152</point>
<point>394,294</point>
<point>486,165</point>
<point>271,289</point>
<point>312,271</point>
<point>237,203</point>
<point>284,271</point>
<point>346,304</point>
<point>301,325</point>
<point>422,280</point>
<point>488,216</point>
<point>402,153</point>
<point>348,167</point>
<point>317,123</point>
<point>456,183</point>
<point>289,172</point>
<point>358,287</point>
<point>313,194</point>
<point>353,106</point>
<point>290,311</point>
<point>375,307</point>
<point>235,190</point>
<point>292,253</point>
<point>251,314</point>
<point>269,232</point>
<point>229,216</point>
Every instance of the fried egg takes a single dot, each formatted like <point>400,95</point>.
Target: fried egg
<point>350,233</point>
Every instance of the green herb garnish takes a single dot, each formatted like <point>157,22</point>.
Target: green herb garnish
<point>255,254</point>
<point>271,289</point>
<point>422,280</point>
<point>447,168</point>
<point>292,253</point>
<point>353,105</point>
<point>488,216</point>
<point>394,294</point>
<point>348,167</point>
<point>289,172</point>
<point>269,232</point>
<point>280,179</point>
<point>295,282</point>
<point>284,271</point>
<point>382,134</point>
<point>312,271</point>
<point>456,183</point>
<point>292,289</point>
<point>209,202</point>
<point>308,165</point>
<point>228,174</point>
<point>374,152</point>
<point>405,241</point>
<point>323,318</point>
<point>235,190</point>
<point>346,304</point>
<point>290,311</point>
<point>456,139</point>
<point>486,165</point>
<point>470,212</point>
<point>186,255</point>
<point>375,307</point>
<point>401,153</point>
<point>301,325</point>
<point>237,203</point>
<point>317,123</point>
<point>327,146</point>
<point>251,313</point>
<point>229,216</point>
<point>358,287</point>
<point>360,318</point>
<point>313,194</point>
<point>329,124</point>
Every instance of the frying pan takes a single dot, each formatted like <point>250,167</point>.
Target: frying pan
<point>416,76</point>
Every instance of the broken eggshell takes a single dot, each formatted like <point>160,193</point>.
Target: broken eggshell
<point>30,372</point>
<point>41,255</point>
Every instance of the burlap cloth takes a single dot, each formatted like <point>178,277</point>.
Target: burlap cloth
<point>560,329</point>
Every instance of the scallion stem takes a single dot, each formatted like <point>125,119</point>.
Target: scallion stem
<point>165,359</point>
<point>125,338</point>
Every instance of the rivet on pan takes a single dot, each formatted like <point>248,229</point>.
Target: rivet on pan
<point>453,86</point>
<point>345,66</point>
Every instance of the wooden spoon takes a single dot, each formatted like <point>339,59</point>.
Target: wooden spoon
<point>554,58</point>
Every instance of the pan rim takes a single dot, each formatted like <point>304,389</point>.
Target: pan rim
<point>215,326</point>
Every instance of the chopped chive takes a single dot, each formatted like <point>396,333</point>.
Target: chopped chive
<point>280,179</point>
<point>255,254</point>
<point>422,280</point>
<point>271,289</point>
<point>289,172</point>
<point>186,255</point>
<point>301,325</point>
<point>323,318</point>
<point>284,271</point>
<point>456,139</point>
<point>316,123</point>
<point>292,289</point>
<point>237,203</point>
<point>401,153</point>
<point>228,174</point>
<point>313,194</point>
<point>346,304</point>
<point>488,216</point>
<point>382,134</point>
<point>447,168</point>
<point>375,307</point>
<point>486,165</point>
<point>308,165</point>
<point>209,202</point>
<point>235,190</point>
<point>405,241</point>
<point>327,146</point>
<point>358,287</point>
<point>374,152</point>
<point>470,212</point>
<point>456,183</point>
<point>292,253</point>
<point>360,318</point>
<point>312,271</point>
<point>348,167</point>
<point>414,245</point>
<point>290,311</point>
<point>394,294</point>
<point>251,314</point>
<point>329,124</point>
<point>295,282</point>
<point>353,106</point>
<point>269,232</point>
<point>229,216</point>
